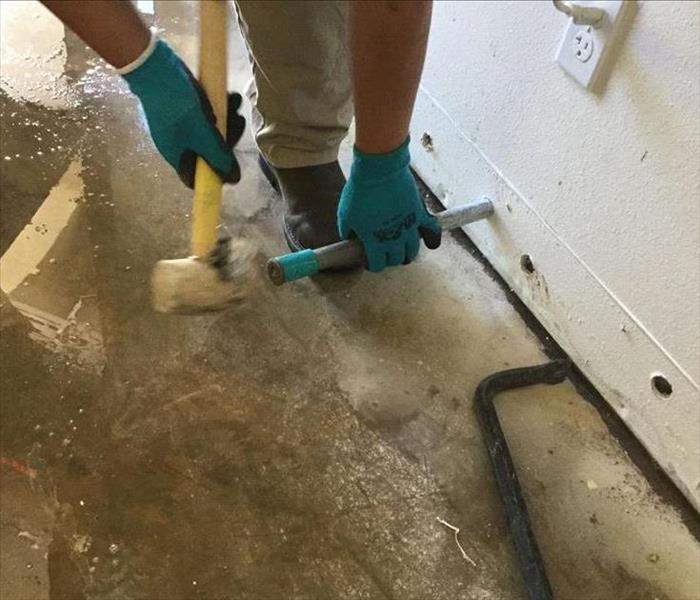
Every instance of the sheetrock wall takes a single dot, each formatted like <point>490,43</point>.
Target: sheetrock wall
<point>601,191</point>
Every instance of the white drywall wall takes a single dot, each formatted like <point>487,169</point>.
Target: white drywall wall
<point>603,191</point>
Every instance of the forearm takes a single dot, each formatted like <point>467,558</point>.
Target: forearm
<point>388,43</point>
<point>112,28</point>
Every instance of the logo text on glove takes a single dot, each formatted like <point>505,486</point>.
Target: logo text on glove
<point>393,232</point>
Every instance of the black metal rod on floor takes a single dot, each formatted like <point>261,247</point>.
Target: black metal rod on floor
<point>531,564</point>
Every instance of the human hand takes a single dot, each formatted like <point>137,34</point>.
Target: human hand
<point>380,204</point>
<point>180,118</point>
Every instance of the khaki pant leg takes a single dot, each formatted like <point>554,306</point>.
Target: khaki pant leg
<point>301,93</point>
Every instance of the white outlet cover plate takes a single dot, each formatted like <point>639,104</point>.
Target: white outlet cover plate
<point>589,72</point>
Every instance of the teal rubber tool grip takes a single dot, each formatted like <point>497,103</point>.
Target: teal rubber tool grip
<point>298,265</point>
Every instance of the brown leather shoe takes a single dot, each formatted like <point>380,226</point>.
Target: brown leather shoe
<point>312,195</point>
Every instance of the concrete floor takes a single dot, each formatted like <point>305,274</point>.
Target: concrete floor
<point>299,447</point>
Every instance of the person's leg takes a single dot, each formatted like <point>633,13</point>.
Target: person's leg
<point>301,95</point>
<point>302,107</point>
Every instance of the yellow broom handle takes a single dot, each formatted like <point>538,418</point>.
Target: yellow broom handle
<point>212,76</point>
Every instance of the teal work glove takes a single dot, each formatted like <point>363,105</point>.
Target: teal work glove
<point>180,118</point>
<point>380,204</point>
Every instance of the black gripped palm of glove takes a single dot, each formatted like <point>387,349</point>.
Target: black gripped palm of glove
<point>180,117</point>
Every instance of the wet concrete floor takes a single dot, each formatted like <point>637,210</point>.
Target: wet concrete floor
<point>302,446</point>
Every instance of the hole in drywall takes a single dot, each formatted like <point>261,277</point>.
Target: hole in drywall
<point>661,385</point>
<point>526,264</point>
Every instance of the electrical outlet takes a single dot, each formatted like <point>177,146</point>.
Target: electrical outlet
<point>582,45</point>
<point>584,51</point>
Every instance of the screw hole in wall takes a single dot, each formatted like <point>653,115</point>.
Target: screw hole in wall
<point>526,264</point>
<point>661,385</point>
